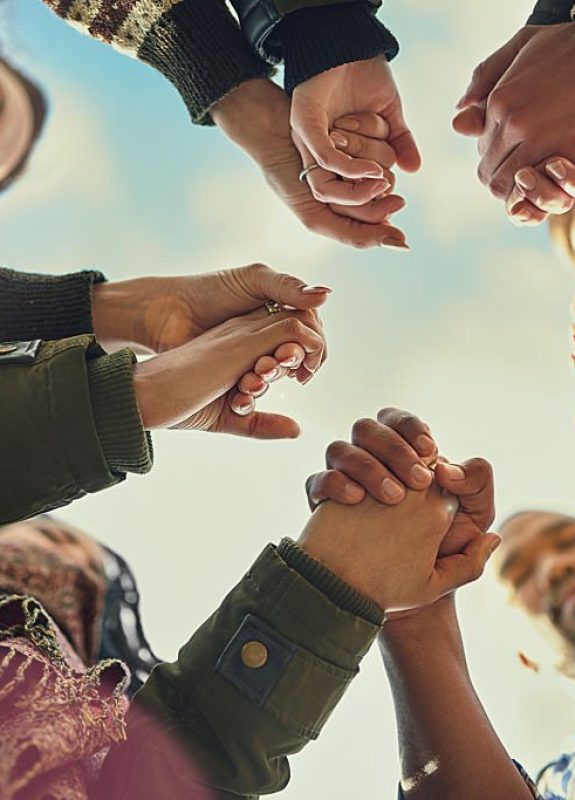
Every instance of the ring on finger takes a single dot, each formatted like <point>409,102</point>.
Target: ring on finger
<point>306,170</point>
<point>272,307</point>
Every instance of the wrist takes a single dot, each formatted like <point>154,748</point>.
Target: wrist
<point>250,113</point>
<point>118,313</point>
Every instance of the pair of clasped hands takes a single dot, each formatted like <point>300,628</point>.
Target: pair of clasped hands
<point>348,125</point>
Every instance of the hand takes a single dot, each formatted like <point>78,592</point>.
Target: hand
<point>393,454</point>
<point>190,387</point>
<point>520,104</point>
<point>361,86</point>
<point>391,554</point>
<point>548,188</point>
<point>154,315</point>
<point>255,115</point>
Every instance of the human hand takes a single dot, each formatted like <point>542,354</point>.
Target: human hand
<point>520,105</point>
<point>256,116</point>
<point>153,315</point>
<point>548,188</point>
<point>191,387</point>
<point>357,87</point>
<point>394,454</point>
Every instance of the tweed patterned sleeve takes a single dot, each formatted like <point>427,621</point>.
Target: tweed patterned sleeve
<point>196,44</point>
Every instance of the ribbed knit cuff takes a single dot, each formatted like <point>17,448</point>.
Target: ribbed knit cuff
<point>45,307</point>
<point>551,12</point>
<point>336,590</point>
<point>125,444</point>
<point>317,39</point>
<point>199,47</point>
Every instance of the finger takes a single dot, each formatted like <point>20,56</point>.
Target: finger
<point>393,452</point>
<point>455,571</point>
<point>332,485</point>
<point>310,319</point>
<point>487,74</point>
<point>364,124</point>
<point>402,141</point>
<point>562,172</point>
<point>365,470</point>
<point>316,139</point>
<point>342,228</point>
<point>263,283</point>
<point>259,425</point>
<point>470,121</point>
<point>543,192</point>
<point>521,212</point>
<point>291,329</point>
<point>415,432</point>
<point>472,483</point>
<point>329,188</point>
<point>377,150</point>
<point>500,162</point>
<point>374,212</point>
<point>290,355</point>
<point>241,404</point>
<point>252,384</point>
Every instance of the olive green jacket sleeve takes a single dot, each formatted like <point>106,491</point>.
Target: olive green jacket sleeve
<point>551,12</point>
<point>253,685</point>
<point>69,423</point>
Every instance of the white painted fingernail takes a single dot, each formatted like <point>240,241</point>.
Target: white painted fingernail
<point>271,375</point>
<point>525,179</point>
<point>557,169</point>
<point>289,362</point>
<point>244,409</point>
<point>316,290</point>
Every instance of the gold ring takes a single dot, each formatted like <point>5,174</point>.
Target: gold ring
<point>273,308</point>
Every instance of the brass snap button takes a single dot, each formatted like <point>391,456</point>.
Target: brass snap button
<point>7,348</point>
<point>254,654</point>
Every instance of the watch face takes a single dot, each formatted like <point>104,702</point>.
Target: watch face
<point>22,112</point>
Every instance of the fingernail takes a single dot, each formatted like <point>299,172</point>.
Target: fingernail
<point>525,179</point>
<point>271,375</point>
<point>557,169</point>
<point>374,173</point>
<point>400,244</point>
<point>383,185</point>
<point>289,362</point>
<point>316,290</point>
<point>339,139</point>
<point>353,492</point>
<point>391,489</point>
<point>244,409</point>
<point>420,474</point>
<point>425,445</point>
<point>522,217</point>
<point>454,472</point>
<point>349,123</point>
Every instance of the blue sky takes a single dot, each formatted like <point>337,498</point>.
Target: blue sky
<point>470,330</point>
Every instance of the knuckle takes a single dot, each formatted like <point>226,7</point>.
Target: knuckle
<point>335,451</point>
<point>499,104</point>
<point>497,187</point>
<point>293,327</point>
<point>258,268</point>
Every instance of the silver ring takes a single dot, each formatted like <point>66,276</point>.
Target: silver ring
<point>306,170</point>
<point>272,307</point>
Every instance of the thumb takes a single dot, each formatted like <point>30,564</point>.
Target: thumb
<point>264,283</point>
<point>455,571</point>
<point>470,121</point>
<point>488,74</point>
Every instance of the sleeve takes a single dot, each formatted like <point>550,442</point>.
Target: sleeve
<point>45,306</point>
<point>197,45</point>
<point>551,12</point>
<point>70,424</point>
<point>317,39</point>
<point>253,685</point>
<point>557,779</point>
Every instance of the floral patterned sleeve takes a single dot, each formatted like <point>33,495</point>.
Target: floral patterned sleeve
<point>556,781</point>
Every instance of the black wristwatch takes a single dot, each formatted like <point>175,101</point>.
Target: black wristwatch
<point>259,20</point>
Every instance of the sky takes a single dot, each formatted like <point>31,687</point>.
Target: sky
<point>470,330</point>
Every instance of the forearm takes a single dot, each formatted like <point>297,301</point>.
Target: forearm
<point>551,12</point>
<point>445,737</point>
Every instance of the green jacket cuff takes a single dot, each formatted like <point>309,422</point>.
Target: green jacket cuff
<point>336,590</point>
<point>317,39</point>
<point>551,12</point>
<point>199,47</point>
<point>254,684</point>
<point>45,307</point>
<point>125,444</point>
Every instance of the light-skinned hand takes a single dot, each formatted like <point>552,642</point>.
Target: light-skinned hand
<point>190,387</point>
<point>256,116</point>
